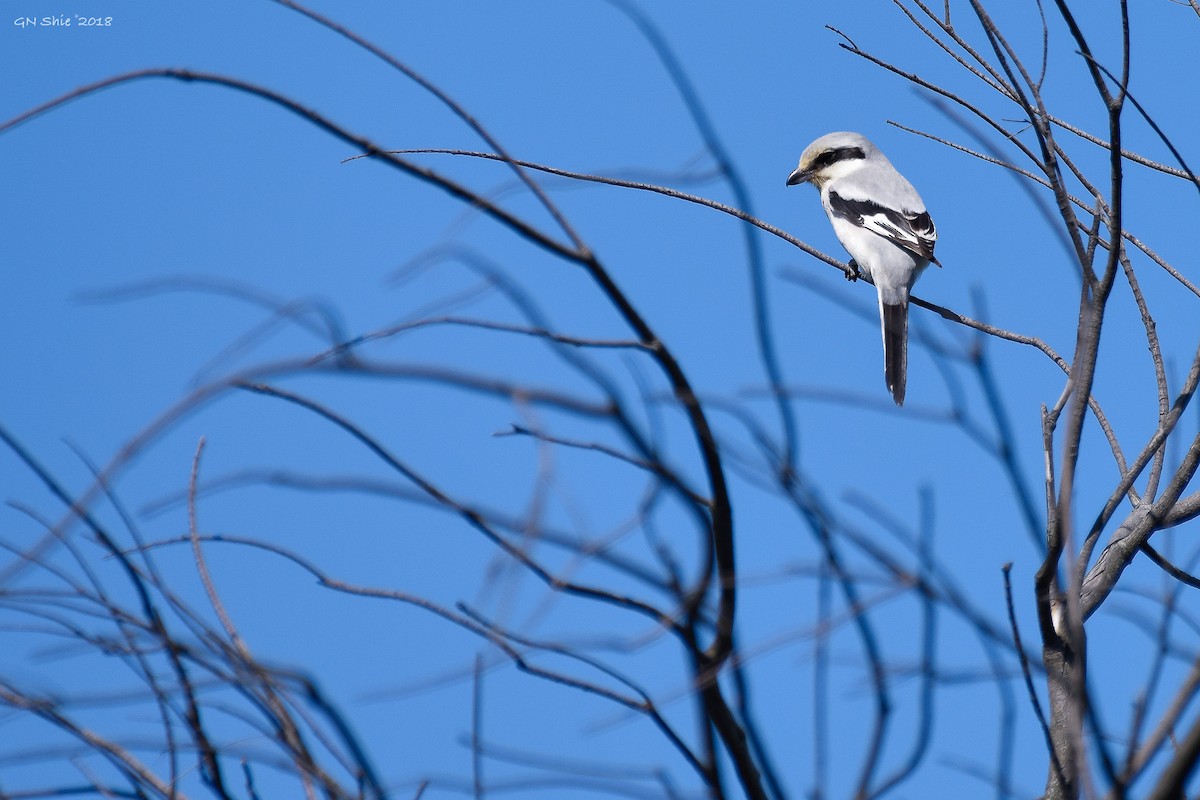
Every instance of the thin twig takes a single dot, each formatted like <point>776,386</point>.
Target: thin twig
<point>1025,671</point>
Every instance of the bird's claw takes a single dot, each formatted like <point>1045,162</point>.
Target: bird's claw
<point>853,271</point>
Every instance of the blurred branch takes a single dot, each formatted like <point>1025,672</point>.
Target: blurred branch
<point>758,278</point>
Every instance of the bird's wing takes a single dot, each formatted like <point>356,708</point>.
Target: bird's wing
<point>911,230</point>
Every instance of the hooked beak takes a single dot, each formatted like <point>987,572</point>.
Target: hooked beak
<point>799,176</point>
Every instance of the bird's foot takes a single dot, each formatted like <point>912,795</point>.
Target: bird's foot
<point>853,271</point>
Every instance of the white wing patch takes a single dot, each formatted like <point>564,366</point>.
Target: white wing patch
<point>912,231</point>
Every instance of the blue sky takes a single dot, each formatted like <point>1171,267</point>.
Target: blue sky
<point>176,189</point>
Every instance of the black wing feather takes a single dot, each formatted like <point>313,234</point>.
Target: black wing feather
<point>914,231</point>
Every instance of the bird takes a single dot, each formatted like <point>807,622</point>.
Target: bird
<point>882,222</point>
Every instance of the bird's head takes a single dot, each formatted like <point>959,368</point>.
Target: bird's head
<point>832,155</point>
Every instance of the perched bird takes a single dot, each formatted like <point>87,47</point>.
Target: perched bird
<point>881,221</point>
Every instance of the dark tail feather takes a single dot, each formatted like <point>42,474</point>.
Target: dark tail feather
<point>895,348</point>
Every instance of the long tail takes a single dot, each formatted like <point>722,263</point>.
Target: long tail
<point>895,347</point>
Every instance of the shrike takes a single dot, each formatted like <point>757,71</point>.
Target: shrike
<point>881,221</point>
